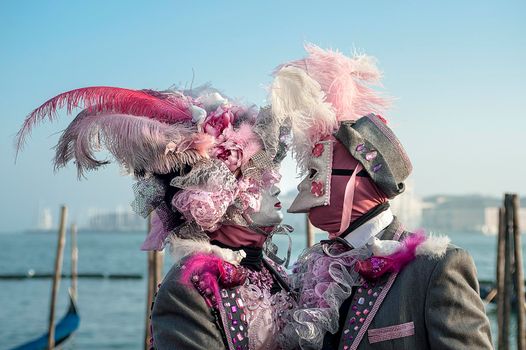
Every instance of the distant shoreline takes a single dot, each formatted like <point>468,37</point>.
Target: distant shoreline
<point>84,231</point>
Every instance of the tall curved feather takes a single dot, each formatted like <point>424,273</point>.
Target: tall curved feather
<point>167,107</point>
<point>137,143</point>
<point>346,81</point>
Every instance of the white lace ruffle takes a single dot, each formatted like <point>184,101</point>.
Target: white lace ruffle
<point>264,315</point>
<point>324,277</point>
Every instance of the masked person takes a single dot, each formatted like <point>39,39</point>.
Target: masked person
<point>371,285</point>
<point>206,172</point>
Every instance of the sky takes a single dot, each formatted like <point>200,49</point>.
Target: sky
<point>456,69</point>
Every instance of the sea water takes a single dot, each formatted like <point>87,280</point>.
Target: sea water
<point>112,311</point>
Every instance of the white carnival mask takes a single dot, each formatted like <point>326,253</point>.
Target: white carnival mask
<point>314,190</point>
<point>269,213</point>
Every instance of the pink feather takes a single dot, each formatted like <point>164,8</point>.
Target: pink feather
<point>407,252</point>
<point>162,106</point>
<point>202,143</point>
<point>377,266</point>
<point>138,143</point>
<point>345,81</point>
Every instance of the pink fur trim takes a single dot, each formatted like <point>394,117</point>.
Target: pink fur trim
<point>406,253</point>
<point>208,273</point>
<point>202,270</point>
<point>376,266</point>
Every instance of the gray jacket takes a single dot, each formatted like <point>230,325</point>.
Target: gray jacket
<point>433,303</point>
<point>181,320</point>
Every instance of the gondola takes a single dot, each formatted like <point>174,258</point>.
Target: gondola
<point>67,325</point>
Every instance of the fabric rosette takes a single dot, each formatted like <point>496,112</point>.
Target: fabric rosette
<point>219,120</point>
<point>229,152</point>
<point>204,207</point>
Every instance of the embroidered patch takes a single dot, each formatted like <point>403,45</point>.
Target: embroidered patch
<point>317,150</point>
<point>317,188</point>
<point>391,332</point>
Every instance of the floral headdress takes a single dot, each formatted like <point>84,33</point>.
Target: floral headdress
<point>200,160</point>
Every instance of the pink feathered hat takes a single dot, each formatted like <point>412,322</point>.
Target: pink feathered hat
<point>200,160</point>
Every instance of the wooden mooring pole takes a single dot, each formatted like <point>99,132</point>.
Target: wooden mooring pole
<point>501,300</point>
<point>74,259</point>
<point>510,274</point>
<point>56,278</point>
<point>309,231</point>
<point>155,270</point>
<point>519,274</point>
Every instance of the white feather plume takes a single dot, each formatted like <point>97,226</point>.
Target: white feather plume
<point>433,246</point>
<point>297,96</point>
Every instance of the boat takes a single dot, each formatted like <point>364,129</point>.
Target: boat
<point>70,322</point>
<point>67,325</point>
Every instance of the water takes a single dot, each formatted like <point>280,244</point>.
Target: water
<point>112,311</point>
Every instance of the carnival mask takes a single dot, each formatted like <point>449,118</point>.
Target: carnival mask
<point>314,190</point>
<point>269,213</point>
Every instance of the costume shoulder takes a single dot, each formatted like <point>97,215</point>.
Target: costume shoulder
<point>454,312</point>
<point>181,319</point>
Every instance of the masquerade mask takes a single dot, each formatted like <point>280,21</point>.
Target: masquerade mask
<point>314,190</point>
<point>269,213</point>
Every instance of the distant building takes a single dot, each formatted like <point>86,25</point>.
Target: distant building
<point>45,220</point>
<point>119,221</point>
<point>491,220</point>
<point>456,213</point>
<point>408,207</point>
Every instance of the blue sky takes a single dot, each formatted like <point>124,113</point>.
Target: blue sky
<point>456,68</point>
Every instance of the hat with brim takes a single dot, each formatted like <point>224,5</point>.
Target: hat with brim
<point>376,147</point>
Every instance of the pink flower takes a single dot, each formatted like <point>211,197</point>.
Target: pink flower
<point>229,153</point>
<point>317,150</point>
<point>316,188</point>
<point>205,208</point>
<point>218,120</point>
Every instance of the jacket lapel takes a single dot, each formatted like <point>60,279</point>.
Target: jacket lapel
<point>367,300</point>
<point>232,311</point>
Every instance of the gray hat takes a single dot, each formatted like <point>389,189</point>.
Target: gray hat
<point>375,146</point>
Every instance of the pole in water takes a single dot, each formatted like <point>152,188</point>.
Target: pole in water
<point>309,231</point>
<point>501,257</point>
<point>74,259</point>
<point>56,279</point>
<point>519,274</point>
<point>155,266</point>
